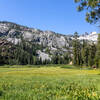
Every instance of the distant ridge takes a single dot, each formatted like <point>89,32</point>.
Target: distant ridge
<point>51,43</point>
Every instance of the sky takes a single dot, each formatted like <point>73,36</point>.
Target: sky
<point>59,16</point>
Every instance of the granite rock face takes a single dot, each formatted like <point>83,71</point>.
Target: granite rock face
<point>91,37</point>
<point>51,42</point>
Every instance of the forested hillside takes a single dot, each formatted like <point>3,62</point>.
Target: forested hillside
<point>23,45</point>
<point>33,46</point>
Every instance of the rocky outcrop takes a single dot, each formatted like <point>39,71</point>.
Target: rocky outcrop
<point>55,42</point>
<point>43,56</point>
<point>90,37</point>
<point>50,42</point>
<point>6,48</point>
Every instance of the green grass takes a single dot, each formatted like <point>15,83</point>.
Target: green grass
<point>51,82</point>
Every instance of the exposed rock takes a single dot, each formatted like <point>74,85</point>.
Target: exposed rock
<point>51,42</point>
<point>48,39</point>
<point>91,37</point>
<point>43,56</point>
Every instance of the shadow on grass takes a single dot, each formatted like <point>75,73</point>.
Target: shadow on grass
<point>30,66</point>
<point>48,65</point>
<point>76,67</point>
<point>70,67</point>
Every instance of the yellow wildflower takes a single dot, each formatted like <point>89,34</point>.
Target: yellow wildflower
<point>94,94</point>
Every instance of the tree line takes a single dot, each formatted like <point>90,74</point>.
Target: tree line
<point>25,52</point>
<point>86,53</point>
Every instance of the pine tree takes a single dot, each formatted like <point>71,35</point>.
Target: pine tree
<point>92,53</point>
<point>97,58</point>
<point>77,59</point>
<point>84,43</point>
<point>86,55</point>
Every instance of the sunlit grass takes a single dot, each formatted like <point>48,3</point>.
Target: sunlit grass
<point>54,82</point>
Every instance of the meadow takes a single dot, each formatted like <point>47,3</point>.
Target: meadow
<point>52,82</point>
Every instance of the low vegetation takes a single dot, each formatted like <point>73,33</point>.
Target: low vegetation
<point>59,82</point>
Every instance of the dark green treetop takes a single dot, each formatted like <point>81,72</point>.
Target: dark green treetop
<point>92,8</point>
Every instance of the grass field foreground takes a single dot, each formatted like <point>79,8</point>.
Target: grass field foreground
<point>49,83</point>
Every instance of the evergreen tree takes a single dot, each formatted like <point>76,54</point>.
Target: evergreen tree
<point>86,55</point>
<point>97,58</point>
<point>92,7</point>
<point>92,53</point>
<point>77,57</point>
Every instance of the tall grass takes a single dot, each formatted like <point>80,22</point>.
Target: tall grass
<point>49,83</point>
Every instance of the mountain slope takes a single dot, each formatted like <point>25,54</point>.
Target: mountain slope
<point>91,37</point>
<point>51,43</point>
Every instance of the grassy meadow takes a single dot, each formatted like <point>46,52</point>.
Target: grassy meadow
<point>54,82</point>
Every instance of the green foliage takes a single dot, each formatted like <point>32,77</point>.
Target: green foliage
<point>97,59</point>
<point>92,7</point>
<point>46,91</point>
<point>77,56</point>
<point>25,52</point>
<point>49,83</point>
<point>86,55</point>
<point>22,54</point>
<point>92,54</point>
<point>83,52</point>
<point>61,59</point>
<point>1,91</point>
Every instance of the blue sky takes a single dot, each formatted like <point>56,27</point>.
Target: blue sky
<point>56,15</point>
